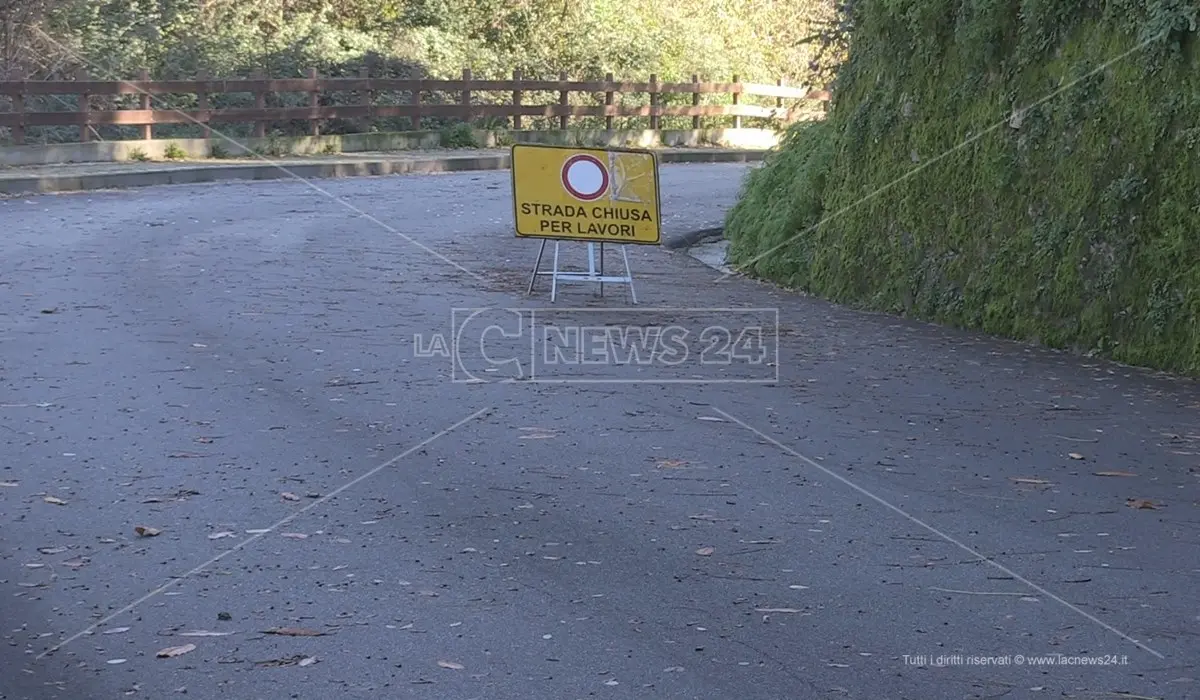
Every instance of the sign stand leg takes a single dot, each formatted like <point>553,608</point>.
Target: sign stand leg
<point>595,270</point>
<point>591,259</point>
<point>554,276</point>
<point>629,275</point>
<point>536,266</point>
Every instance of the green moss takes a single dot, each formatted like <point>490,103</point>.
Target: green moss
<point>989,165</point>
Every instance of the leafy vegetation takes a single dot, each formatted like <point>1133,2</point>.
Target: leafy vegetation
<point>717,39</point>
<point>458,136</point>
<point>179,38</point>
<point>173,151</point>
<point>1028,169</point>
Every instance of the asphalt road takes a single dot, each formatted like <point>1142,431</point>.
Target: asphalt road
<point>238,366</point>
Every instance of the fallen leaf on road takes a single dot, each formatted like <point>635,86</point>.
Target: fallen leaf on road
<point>144,531</point>
<point>54,500</point>
<point>220,535</point>
<point>1142,504</point>
<point>452,665</point>
<point>308,661</point>
<point>1019,480</point>
<point>171,652</point>
<point>1113,473</point>
<point>76,563</point>
<point>294,535</point>
<point>52,550</point>
<point>705,551</point>
<point>204,633</point>
<point>286,661</point>
<point>294,632</point>
<point>204,440</point>
<point>289,496</point>
<point>116,630</point>
<point>1074,455</point>
<point>116,661</point>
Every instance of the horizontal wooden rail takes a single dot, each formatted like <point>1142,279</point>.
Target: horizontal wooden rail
<point>366,106</point>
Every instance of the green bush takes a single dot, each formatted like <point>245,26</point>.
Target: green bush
<point>458,136</point>
<point>1001,170</point>
<point>172,151</point>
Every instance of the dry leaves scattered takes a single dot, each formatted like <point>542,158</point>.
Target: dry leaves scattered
<point>294,632</point>
<point>171,652</point>
<point>297,660</point>
<point>1142,504</point>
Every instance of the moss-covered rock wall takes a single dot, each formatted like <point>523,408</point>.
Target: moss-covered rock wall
<point>1030,169</point>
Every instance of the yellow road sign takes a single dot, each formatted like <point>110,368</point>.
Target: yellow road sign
<point>586,194</point>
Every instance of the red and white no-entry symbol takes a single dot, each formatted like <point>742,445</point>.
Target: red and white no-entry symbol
<point>585,177</point>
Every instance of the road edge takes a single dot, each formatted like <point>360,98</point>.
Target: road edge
<point>147,176</point>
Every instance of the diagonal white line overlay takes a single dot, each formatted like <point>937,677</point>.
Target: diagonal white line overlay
<point>276,164</point>
<point>259,535</point>
<point>966,548</point>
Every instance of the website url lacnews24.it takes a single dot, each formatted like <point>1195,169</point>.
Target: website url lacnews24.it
<point>938,660</point>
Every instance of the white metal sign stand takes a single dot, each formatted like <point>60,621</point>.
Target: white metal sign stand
<point>592,275</point>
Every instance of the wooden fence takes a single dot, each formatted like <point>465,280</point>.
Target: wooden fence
<point>476,99</point>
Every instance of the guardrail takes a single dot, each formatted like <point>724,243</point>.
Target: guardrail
<point>366,105</point>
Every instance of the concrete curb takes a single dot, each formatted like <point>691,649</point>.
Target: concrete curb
<point>148,175</point>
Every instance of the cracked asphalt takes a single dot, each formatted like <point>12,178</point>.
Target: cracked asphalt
<point>253,371</point>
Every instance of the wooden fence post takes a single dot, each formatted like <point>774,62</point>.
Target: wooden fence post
<point>365,98</point>
<point>466,96</point>
<point>564,100</point>
<point>654,122</point>
<point>260,102</point>
<point>203,106</point>
<point>737,119</point>
<point>18,107</point>
<point>517,100</point>
<point>608,102</point>
<point>415,121</point>
<point>314,101</point>
<point>85,131</point>
<point>145,105</point>
<point>695,102</point>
